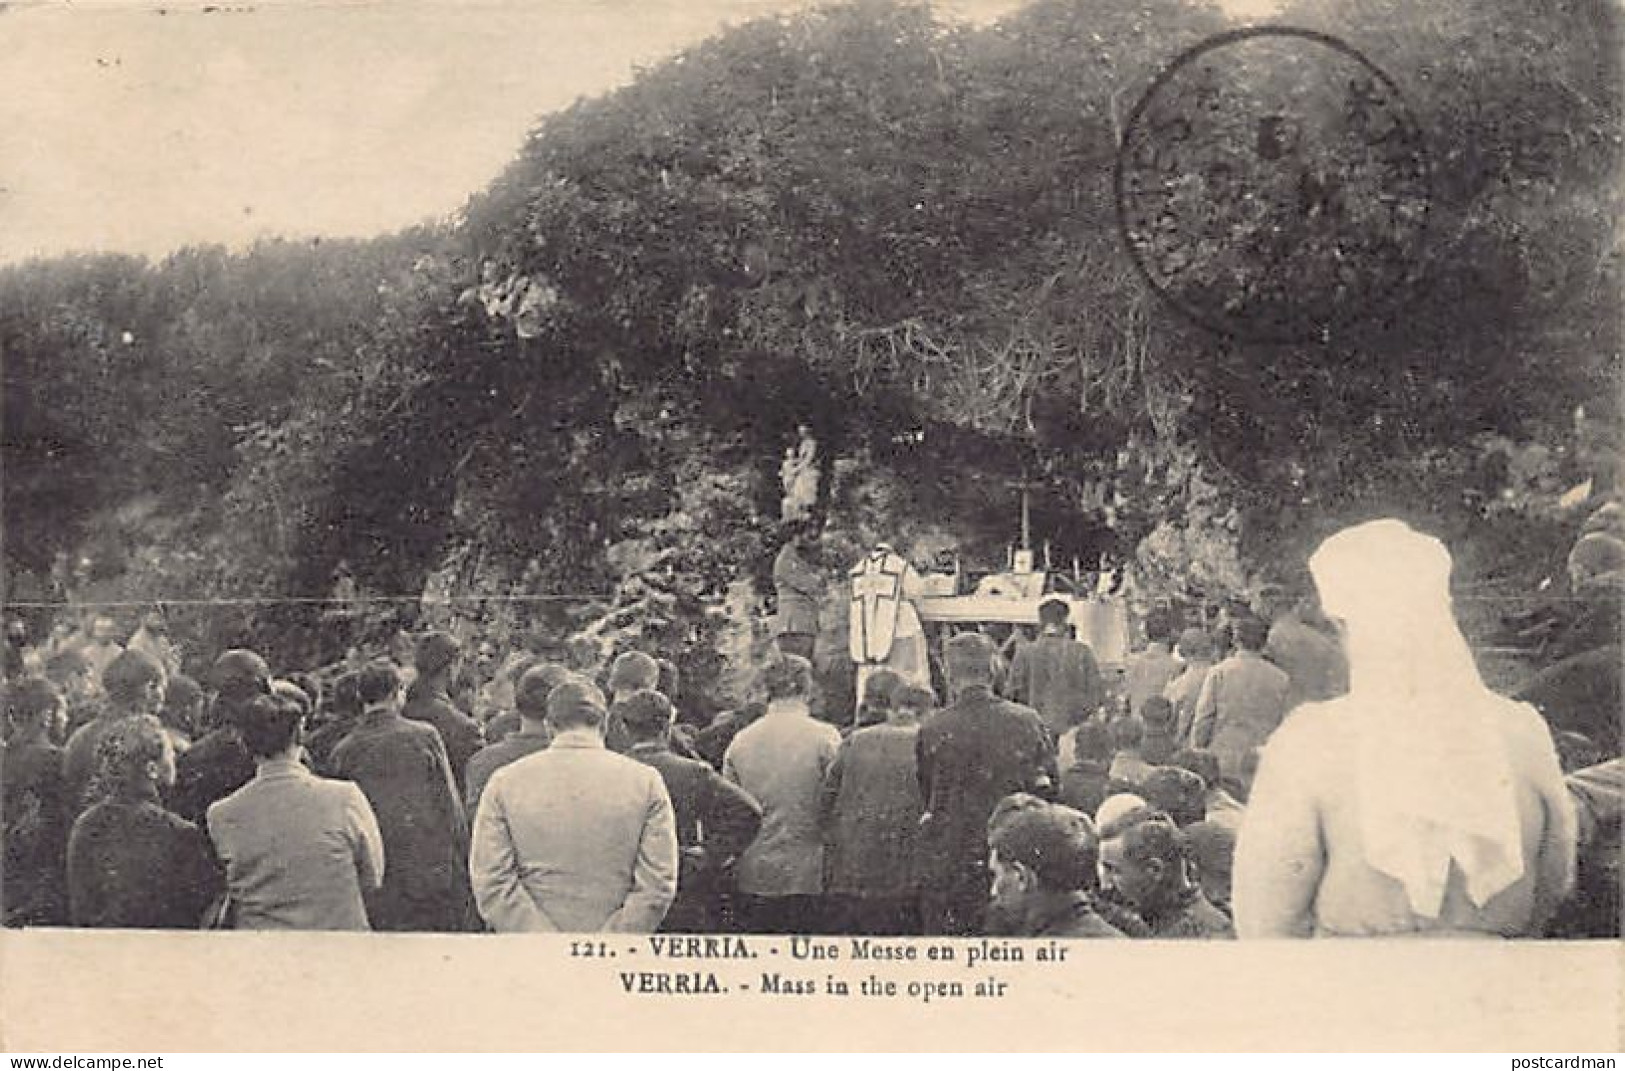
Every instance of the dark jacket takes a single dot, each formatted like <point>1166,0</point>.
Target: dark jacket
<point>1077,918</point>
<point>799,588</point>
<point>1057,676</point>
<point>37,819</point>
<point>212,769</point>
<point>872,808</point>
<point>1191,917</point>
<point>1085,786</point>
<point>402,769</point>
<point>79,761</point>
<point>493,757</point>
<point>134,865</point>
<point>969,756</point>
<point>716,821</point>
<point>459,732</point>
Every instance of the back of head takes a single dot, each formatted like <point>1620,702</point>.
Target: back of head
<point>646,714</point>
<point>344,697</point>
<point>633,671</point>
<point>535,685</point>
<point>913,698</point>
<point>969,659</point>
<point>435,653</point>
<point>289,692</point>
<point>787,676</point>
<point>1159,625</point>
<point>127,678</point>
<point>64,667</point>
<point>1249,632</point>
<point>1182,794</point>
<point>123,753</point>
<point>1092,743</point>
<point>239,675</point>
<point>880,694</point>
<point>575,704</point>
<point>1055,843</point>
<point>1196,645</point>
<point>1157,713</point>
<point>1199,761</point>
<point>1127,732</point>
<point>30,699</point>
<point>1010,806</point>
<point>377,682</point>
<point>1114,807</point>
<point>269,725</point>
<point>1053,612</point>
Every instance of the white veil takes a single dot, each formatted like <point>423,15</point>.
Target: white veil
<point>1432,767</point>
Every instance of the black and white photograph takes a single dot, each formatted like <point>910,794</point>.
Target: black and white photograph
<point>804,489</point>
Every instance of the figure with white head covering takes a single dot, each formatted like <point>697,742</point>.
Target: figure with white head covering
<point>1418,803</point>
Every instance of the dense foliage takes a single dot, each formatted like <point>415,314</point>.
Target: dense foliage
<point>899,231</point>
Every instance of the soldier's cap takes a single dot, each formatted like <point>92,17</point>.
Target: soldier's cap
<point>575,701</point>
<point>1175,790</point>
<point>240,674</point>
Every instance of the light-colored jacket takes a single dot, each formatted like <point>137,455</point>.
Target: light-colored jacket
<point>1300,867</point>
<point>574,839</point>
<point>1242,701</point>
<point>299,850</point>
<point>781,760</point>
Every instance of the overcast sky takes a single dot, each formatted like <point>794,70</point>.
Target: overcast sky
<point>142,127</point>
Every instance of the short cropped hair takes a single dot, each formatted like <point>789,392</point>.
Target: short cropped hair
<point>127,676</point>
<point>914,697</point>
<point>29,699</point>
<point>633,671</point>
<point>1092,742</point>
<point>269,724</point>
<point>787,676</point>
<point>646,712</point>
<point>1199,761</point>
<point>535,685</point>
<point>969,658</point>
<point>880,691</point>
<point>575,704</point>
<point>1249,632</point>
<point>377,681</point>
<point>1159,625</point>
<point>1195,644</point>
<point>1057,844</point>
<point>1127,732</point>
<point>435,652</point>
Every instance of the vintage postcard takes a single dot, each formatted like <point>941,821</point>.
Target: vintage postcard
<point>1016,525</point>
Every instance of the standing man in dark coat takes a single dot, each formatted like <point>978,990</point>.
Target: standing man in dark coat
<point>219,764</point>
<point>969,756</point>
<point>401,767</point>
<point>799,588</point>
<point>716,819</point>
<point>429,700</point>
<point>1055,674</point>
<point>134,685</point>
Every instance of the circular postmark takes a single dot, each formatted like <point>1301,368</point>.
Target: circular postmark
<point>1273,186</point>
